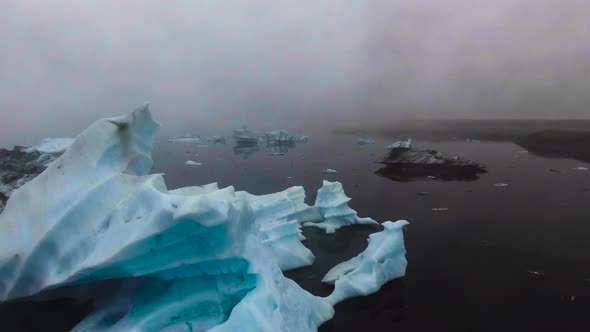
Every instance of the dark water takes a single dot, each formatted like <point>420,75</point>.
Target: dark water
<point>473,267</point>
<point>499,259</point>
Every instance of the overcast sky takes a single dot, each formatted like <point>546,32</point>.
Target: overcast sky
<point>290,63</point>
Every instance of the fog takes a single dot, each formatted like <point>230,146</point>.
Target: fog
<point>295,63</point>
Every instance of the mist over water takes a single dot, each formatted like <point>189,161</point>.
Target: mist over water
<point>293,64</point>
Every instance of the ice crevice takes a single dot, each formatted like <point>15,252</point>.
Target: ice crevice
<point>214,257</point>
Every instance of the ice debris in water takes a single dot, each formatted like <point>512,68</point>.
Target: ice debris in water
<point>400,145</point>
<point>52,145</point>
<point>192,163</point>
<point>581,168</point>
<point>213,257</point>
<point>365,141</point>
<point>501,185</point>
<point>330,171</point>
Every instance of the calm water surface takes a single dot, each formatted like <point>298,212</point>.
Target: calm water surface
<point>499,259</point>
<point>509,258</point>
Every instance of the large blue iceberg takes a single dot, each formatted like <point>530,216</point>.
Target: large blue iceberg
<point>213,256</point>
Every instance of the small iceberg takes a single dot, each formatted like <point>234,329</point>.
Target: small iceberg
<point>581,168</point>
<point>382,261</point>
<point>303,139</point>
<point>400,145</point>
<point>330,171</point>
<point>279,137</point>
<point>192,163</point>
<point>216,139</point>
<point>365,141</point>
<point>245,136</point>
<point>501,185</point>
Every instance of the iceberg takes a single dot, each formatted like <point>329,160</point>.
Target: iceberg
<point>213,256</point>
<point>330,171</point>
<point>333,210</point>
<point>382,261</point>
<point>400,145</point>
<point>245,136</point>
<point>279,137</point>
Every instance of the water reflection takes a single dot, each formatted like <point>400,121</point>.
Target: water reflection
<point>246,150</point>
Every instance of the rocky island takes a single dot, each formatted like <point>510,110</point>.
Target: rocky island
<point>405,163</point>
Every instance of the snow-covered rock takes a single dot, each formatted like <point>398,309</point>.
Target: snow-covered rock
<point>214,257</point>
<point>52,145</point>
<point>401,144</point>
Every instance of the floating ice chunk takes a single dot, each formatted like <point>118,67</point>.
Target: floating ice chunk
<point>303,139</point>
<point>330,171</point>
<point>365,141</point>
<point>185,139</point>
<point>216,139</point>
<point>440,209</point>
<point>277,154</point>
<point>400,145</point>
<point>192,163</point>
<point>581,168</point>
<point>535,272</point>
<point>382,261</point>
<point>52,145</point>
<point>501,185</point>
<point>332,204</point>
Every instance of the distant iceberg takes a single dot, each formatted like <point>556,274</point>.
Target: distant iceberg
<point>303,139</point>
<point>216,139</point>
<point>365,141</point>
<point>185,139</point>
<point>279,137</point>
<point>214,257</point>
<point>246,136</point>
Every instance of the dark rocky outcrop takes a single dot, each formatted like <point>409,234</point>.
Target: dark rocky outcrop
<point>409,164</point>
<point>19,166</point>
